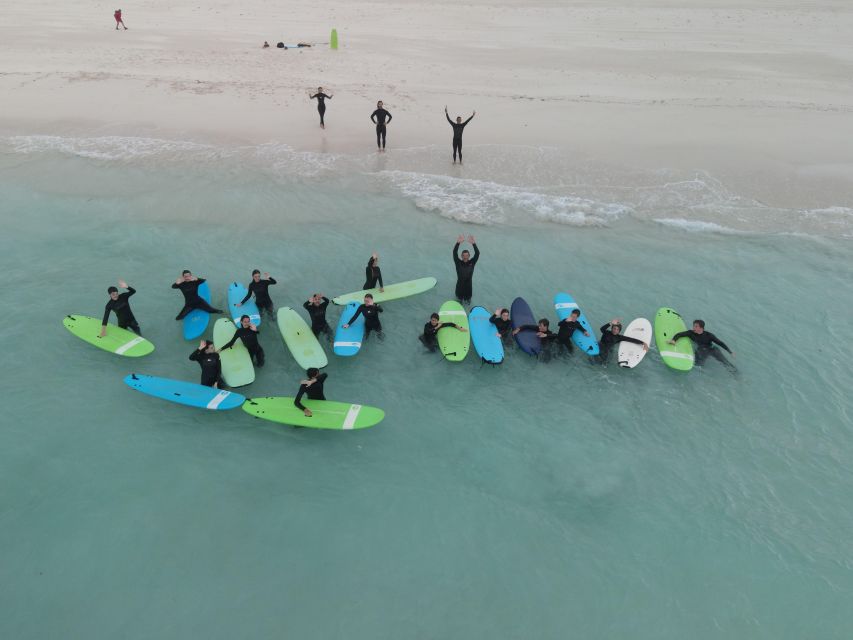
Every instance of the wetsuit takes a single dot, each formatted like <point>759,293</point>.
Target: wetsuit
<point>191,298</point>
<point>610,340</point>
<point>457,135</point>
<point>464,273</point>
<point>124,316</point>
<point>318,316</point>
<point>504,327</point>
<point>430,335</point>
<point>372,275</point>
<point>211,368</point>
<point>547,339</point>
<point>321,104</point>
<point>565,329</point>
<point>705,342</point>
<point>250,341</point>
<point>371,318</point>
<point>262,296</point>
<point>314,391</point>
<point>378,117</point>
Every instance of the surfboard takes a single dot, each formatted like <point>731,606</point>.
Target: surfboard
<point>236,292</point>
<point>680,355</point>
<point>299,338</point>
<point>237,368</point>
<point>327,414</point>
<point>485,336</point>
<point>195,322</point>
<point>348,341</point>
<point>392,291</point>
<point>520,314</point>
<point>631,354</point>
<point>564,304</point>
<point>186,393</point>
<point>453,343</point>
<point>118,341</point>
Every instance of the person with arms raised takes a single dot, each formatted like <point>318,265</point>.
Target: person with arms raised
<point>119,303</point>
<point>465,269</point>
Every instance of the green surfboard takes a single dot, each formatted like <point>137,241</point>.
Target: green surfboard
<point>299,338</point>
<point>453,342</point>
<point>326,414</point>
<point>678,356</point>
<point>391,292</point>
<point>118,341</point>
<point>237,368</point>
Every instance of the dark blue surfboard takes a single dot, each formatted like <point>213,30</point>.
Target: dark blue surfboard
<point>520,314</point>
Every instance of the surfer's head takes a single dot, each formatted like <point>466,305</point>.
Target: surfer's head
<point>209,347</point>
<point>575,314</point>
<point>113,293</point>
<point>313,372</point>
<point>433,319</point>
<point>615,327</point>
<point>319,89</point>
<point>245,321</point>
<point>698,326</point>
<point>458,119</point>
<point>186,274</point>
<point>466,255</point>
<point>256,275</point>
<point>504,314</point>
<point>368,299</point>
<point>544,323</point>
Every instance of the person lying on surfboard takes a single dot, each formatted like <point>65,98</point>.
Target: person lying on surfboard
<point>371,312</point>
<point>208,359</point>
<point>502,323</point>
<point>372,274</point>
<point>430,335</point>
<point>120,304</point>
<point>611,335</point>
<point>248,333</point>
<point>260,287</point>
<point>316,308</point>
<point>188,285</point>
<point>312,387</point>
<point>566,327</point>
<point>705,341</point>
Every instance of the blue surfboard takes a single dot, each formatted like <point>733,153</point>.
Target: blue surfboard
<point>195,322</point>
<point>348,341</point>
<point>521,315</point>
<point>236,292</point>
<point>186,393</point>
<point>564,304</point>
<point>485,336</point>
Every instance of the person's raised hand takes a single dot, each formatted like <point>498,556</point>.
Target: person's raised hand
<point>122,283</point>
<point>252,326</point>
<point>266,275</point>
<point>471,240</point>
<point>460,239</point>
<point>202,344</point>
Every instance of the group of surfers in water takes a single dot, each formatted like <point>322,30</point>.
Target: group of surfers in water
<point>207,355</point>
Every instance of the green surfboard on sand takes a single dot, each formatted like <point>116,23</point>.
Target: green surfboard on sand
<point>678,356</point>
<point>326,413</point>
<point>299,338</point>
<point>118,341</point>
<point>391,292</point>
<point>453,342</point>
<point>237,368</point>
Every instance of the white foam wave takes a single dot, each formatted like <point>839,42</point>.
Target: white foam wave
<point>695,226</point>
<point>104,147</point>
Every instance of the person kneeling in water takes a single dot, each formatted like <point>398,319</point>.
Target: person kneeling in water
<point>188,285</point>
<point>430,335</point>
<point>248,333</point>
<point>211,368</point>
<point>543,330</point>
<point>260,287</point>
<point>611,335</point>
<point>705,341</point>
<point>316,308</point>
<point>567,327</point>
<point>312,387</point>
<point>371,312</point>
<point>120,304</point>
<point>502,323</point>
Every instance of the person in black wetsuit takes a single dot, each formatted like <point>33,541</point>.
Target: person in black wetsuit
<point>567,327</point>
<point>543,330</point>
<point>211,368</point>
<point>379,118</point>
<point>312,387</point>
<point>371,312</point>
<point>611,335</point>
<point>430,335</point>
<point>502,323</point>
<point>316,308</point>
<point>120,304</point>
<point>188,285</point>
<point>248,333</point>
<point>372,274</point>
<point>705,341</point>
<point>458,126</point>
<point>260,287</point>
<point>465,269</point>
<point>321,104</point>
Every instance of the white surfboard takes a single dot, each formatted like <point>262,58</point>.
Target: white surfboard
<point>631,354</point>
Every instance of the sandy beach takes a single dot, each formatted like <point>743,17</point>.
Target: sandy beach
<point>759,96</point>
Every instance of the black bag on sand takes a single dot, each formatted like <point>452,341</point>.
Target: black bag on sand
<point>280,45</point>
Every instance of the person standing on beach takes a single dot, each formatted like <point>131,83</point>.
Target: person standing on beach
<point>458,127</point>
<point>119,21</point>
<point>378,117</point>
<point>321,104</point>
<point>465,269</point>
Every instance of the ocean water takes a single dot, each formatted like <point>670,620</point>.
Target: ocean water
<point>532,500</point>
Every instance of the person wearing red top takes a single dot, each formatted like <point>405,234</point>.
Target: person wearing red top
<point>119,21</point>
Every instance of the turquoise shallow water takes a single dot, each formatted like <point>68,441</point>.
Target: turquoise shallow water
<point>532,500</point>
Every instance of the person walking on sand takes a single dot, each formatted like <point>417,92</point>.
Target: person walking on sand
<point>321,104</point>
<point>378,118</point>
<point>119,21</point>
<point>458,127</point>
